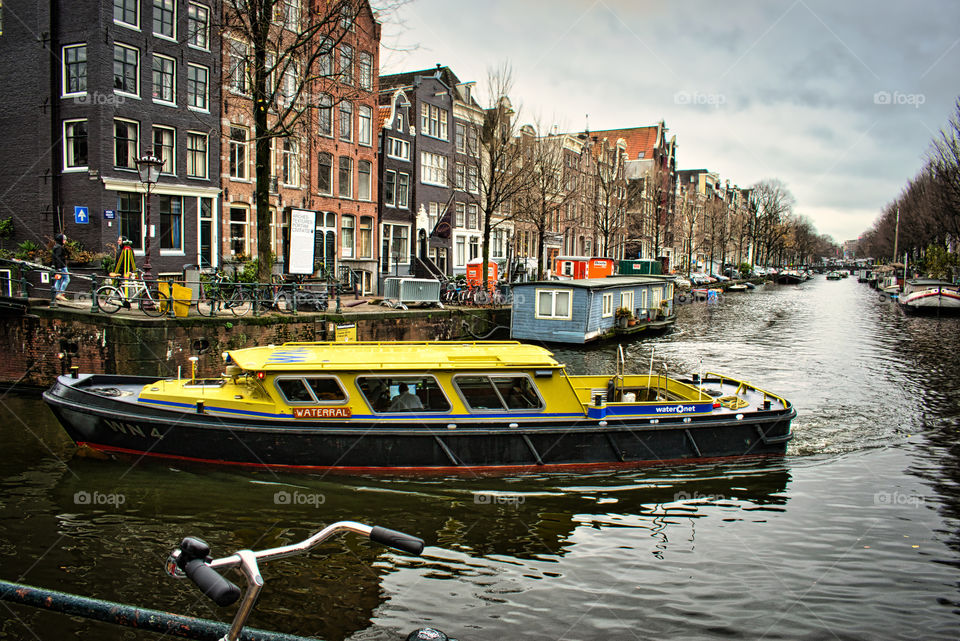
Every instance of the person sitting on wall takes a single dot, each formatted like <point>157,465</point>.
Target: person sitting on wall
<point>405,400</point>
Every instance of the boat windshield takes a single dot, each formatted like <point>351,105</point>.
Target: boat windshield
<point>498,392</point>
<point>313,389</point>
<point>403,394</point>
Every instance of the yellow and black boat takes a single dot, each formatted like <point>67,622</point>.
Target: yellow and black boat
<point>419,405</point>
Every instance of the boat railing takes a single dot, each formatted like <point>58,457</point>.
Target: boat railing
<point>744,387</point>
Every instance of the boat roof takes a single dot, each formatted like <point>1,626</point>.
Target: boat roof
<point>601,283</point>
<point>930,281</point>
<point>396,355</point>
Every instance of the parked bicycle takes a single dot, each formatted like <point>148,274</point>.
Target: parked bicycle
<point>123,292</point>
<point>218,293</point>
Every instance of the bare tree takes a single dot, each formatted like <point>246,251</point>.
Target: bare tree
<point>605,195</point>
<point>773,203</point>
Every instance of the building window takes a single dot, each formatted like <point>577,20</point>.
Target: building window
<point>433,121</point>
<point>125,13</point>
<point>197,87</point>
<point>164,148</point>
<point>278,230</point>
<point>460,136</point>
<point>130,217</point>
<point>346,64</point>
<point>171,223</point>
<point>325,115</point>
<point>433,169</point>
<point>390,188</point>
<point>345,177</point>
<point>206,255</point>
<point>126,141</point>
<point>74,70</point>
<point>164,18</point>
<point>74,144</point>
<point>239,71</point>
<point>290,163</point>
<point>325,174</point>
<point>399,149</point>
<point>472,185</point>
<point>238,152</point>
<point>164,79</point>
<point>473,217</point>
<point>364,168</point>
<point>553,304</point>
<point>365,64</point>
<point>474,247</point>
<point>346,120</point>
<point>325,50</point>
<point>366,237</point>
<point>499,238</point>
<point>460,252</point>
<point>290,14</point>
<point>606,305</point>
<point>126,70</point>
<point>403,189</point>
<point>459,216</point>
<point>198,26</point>
<point>473,147</point>
<point>239,231</point>
<point>196,155</point>
<point>288,86</point>
<point>346,237</point>
<point>364,124</point>
<point>461,176</point>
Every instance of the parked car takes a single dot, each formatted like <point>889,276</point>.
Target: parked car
<point>681,283</point>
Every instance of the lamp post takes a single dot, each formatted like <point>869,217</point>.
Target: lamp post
<point>148,167</point>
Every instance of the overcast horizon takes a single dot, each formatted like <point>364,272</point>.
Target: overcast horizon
<point>839,101</point>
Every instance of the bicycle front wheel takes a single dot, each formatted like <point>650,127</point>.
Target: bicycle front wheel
<point>206,304</point>
<point>153,302</point>
<point>239,303</point>
<point>109,299</point>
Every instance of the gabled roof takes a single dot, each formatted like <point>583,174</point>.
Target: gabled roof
<point>639,140</point>
<point>405,79</point>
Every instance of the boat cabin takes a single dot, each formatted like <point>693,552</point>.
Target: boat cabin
<point>580,311</point>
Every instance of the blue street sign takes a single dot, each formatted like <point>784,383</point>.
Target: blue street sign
<point>81,215</point>
<point>109,214</point>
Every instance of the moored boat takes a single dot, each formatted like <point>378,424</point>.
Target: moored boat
<point>833,275</point>
<point>435,405</point>
<point>789,277</point>
<point>930,295</point>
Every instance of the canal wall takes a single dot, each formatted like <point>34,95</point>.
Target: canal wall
<point>41,343</point>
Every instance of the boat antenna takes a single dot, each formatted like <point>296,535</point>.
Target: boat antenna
<point>700,376</point>
<point>650,373</point>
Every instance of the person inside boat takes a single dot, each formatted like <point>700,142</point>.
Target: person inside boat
<point>405,400</point>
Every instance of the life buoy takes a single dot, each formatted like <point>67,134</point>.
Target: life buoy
<point>681,298</point>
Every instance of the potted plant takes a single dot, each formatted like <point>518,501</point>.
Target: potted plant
<point>623,316</point>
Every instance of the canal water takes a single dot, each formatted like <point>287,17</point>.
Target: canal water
<point>853,535</point>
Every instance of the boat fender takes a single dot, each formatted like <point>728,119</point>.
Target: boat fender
<point>193,562</point>
<point>681,298</point>
<point>612,390</point>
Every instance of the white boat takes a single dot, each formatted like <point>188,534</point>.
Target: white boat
<point>930,295</point>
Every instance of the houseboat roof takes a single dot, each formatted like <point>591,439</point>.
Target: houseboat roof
<point>372,356</point>
<point>602,283</point>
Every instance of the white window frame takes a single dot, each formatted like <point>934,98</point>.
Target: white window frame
<point>553,313</point>
<point>206,29</point>
<point>364,125</point>
<point>606,305</point>
<point>370,229</point>
<point>172,251</point>
<point>333,169</point>
<point>360,186</point>
<point>242,68</point>
<point>66,167</point>
<point>399,149</point>
<point>206,88</point>
<point>626,300</point>
<point>153,145</point>
<point>246,228</point>
<point>206,156</point>
<point>128,25</point>
<point>433,169</point>
<point>290,162</point>
<point>345,118</point>
<point>163,36</point>
<point>172,103</point>
<point>136,144</point>
<point>390,199</point>
<point>63,70</point>
<point>131,48</point>
<point>347,250</point>
<point>325,103</point>
<point>349,174</point>
<point>405,191</point>
<point>245,146</point>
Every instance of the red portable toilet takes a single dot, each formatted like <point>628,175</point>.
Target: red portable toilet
<point>475,273</point>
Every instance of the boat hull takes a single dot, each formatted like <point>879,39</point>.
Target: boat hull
<point>932,302</point>
<point>111,425</point>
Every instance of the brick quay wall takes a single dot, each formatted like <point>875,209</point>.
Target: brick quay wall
<point>42,342</point>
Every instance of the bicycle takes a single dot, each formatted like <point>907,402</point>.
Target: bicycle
<point>150,300</point>
<point>219,293</point>
<point>191,560</point>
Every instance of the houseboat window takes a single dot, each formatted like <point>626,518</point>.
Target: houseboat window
<point>498,392</point>
<point>553,303</point>
<point>403,394</point>
<point>320,389</point>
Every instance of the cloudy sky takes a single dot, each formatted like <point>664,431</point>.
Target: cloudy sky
<point>839,99</point>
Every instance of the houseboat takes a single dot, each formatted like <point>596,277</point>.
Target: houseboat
<point>590,309</point>
<point>931,296</point>
<point>445,406</point>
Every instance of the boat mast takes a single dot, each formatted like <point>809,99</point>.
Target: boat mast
<point>896,238</point>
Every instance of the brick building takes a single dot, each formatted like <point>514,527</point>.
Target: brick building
<point>91,86</point>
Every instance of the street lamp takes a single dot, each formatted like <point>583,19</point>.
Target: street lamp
<point>149,169</point>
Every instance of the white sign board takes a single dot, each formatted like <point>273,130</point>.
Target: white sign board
<point>303,224</point>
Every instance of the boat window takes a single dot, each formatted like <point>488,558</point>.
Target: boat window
<point>498,392</point>
<point>294,390</point>
<point>326,389</point>
<point>403,394</point>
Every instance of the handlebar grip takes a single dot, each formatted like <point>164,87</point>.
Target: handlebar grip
<point>220,590</point>
<point>396,540</point>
